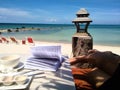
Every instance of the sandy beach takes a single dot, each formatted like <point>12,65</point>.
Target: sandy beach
<point>66,49</point>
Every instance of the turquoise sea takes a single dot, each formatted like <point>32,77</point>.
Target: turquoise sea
<point>102,34</point>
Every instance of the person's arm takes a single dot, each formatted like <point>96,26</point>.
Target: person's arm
<point>93,56</point>
<point>78,59</point>
<point>84,58</point>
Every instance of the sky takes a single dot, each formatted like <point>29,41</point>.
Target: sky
<point>58,11</point>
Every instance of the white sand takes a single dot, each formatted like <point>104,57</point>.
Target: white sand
<point>113,49</point>
<point>13,48</point>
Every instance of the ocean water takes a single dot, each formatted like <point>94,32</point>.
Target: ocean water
<point>102,34</point>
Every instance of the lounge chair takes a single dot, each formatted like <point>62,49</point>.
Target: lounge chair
<point>0,41</point>
<point>23,41</point>
<point>13,39</point>
<point>5,39</point>
<point>30,40</point>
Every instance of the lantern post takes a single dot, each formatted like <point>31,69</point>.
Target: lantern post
<point>82,40</point>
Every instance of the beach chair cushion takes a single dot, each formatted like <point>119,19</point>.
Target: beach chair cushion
<point>13,39</point>
<point>30,40</point>
<point>4,39</point>
<point>0,41</point>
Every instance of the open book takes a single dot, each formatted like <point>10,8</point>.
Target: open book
<point>45,58</point>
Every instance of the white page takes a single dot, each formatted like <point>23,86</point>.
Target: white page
<point>46,51</point>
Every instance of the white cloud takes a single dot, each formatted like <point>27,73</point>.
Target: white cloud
<point>13,12</point>
<point>16,15</point>
<point>52,20</point>
<point>10,14</point>
<point>30,15</point>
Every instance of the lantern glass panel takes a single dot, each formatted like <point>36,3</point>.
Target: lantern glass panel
<point>82,26</point>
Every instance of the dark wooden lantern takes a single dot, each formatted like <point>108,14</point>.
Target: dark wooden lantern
<point>81,40</point>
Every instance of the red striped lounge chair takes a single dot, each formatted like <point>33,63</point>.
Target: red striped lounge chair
<point>30,40</point>
<point>5,40</point>
<point>13,39</point>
